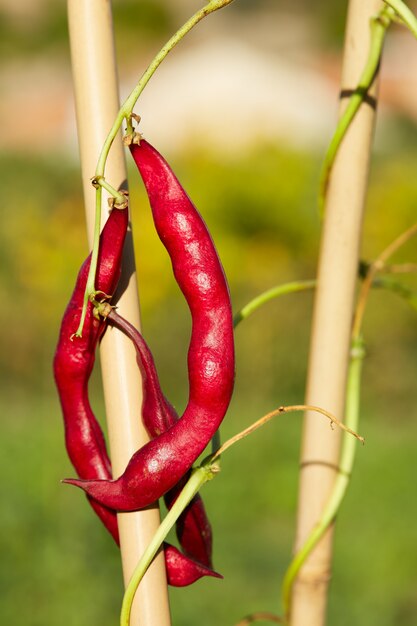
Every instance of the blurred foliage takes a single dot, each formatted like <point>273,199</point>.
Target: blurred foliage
<point>24,37</point>
<point>331,19</point>
<point>139,21</point>
<point>48,31</point>
<point>58,565</point>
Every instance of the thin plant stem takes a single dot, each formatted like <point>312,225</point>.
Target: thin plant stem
<point>119,197</point>
<point>256,303</point>
<point>373,270</point>
<point>305,285</point>
<point>125,112</point>
<point>127,107</point>
<point>378,25</point>
<point>342,480</point>
<point>205,472</point>
<point>90,285</point>
<point>409,295</point>
<point>395,245</point>
<point>280,411</point>
<point>270,294</point>
<point>405,14</point>
<point>399,268</point>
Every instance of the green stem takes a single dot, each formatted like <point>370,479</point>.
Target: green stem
<point>125,112</point>
<point>405,14</point>
<point>270,294</point>
<point>100,181</point>
<point>252,306</point>
<point>94,253</point>
<point>90,286</point>
<point>378,25</point>
<point>397,287</point>
<point>342,480</point>
<point>199,476</point>
<point>304,285</point>
<point>127,107</point>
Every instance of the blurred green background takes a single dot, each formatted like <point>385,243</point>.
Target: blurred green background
<point>57,564</point>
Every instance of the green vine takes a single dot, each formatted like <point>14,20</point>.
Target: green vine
<point>379,25</point>
<point>409,295</point>
<point>380,282</point>
<point>406,15</point>
<point>271,294</point>
<point>343,476</point>
<point>125,113</point>
<point>205,472</point>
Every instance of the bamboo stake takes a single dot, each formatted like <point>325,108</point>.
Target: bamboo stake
<point>332,320</point>
<point>97,103</point>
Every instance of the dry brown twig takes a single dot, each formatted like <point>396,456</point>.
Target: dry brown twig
<point>281,410</point>
<point>376,266</point>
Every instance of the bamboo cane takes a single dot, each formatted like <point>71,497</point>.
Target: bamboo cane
<point>332,320</point>
<point>97,103</point>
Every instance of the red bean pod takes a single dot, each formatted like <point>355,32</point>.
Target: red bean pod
<point>182,571</point>
<point>193,527</point>
<point>73,364</point>
<point>159,465</point>
<point>74,361</point>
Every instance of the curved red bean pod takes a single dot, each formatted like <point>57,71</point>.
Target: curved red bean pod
<point>160,464</point>
<point>193,527</point>
<point>74,361</point>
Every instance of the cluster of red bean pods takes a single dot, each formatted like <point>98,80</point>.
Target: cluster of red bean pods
<point>161,467</point>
